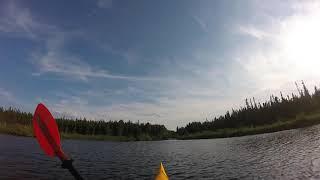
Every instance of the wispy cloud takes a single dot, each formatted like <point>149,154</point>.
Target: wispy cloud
<point>18,21</point>
<point>56,61</point>
<point>130,55</point>
<point>203,25</point>
<point>254,32</point>
<point>105,4</point>
<point>6,95</point>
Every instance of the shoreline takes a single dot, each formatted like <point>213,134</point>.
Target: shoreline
<point>300,121</point>
<point>27,131</point>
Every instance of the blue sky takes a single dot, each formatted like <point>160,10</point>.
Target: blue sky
<point>166,62</point>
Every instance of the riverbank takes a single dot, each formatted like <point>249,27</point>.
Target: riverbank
<point>27,131</point>
<point>300,121</point>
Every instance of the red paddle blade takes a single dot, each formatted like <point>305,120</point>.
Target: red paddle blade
<point>46,131</point>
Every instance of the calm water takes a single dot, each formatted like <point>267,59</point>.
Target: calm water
<point>293,154</point>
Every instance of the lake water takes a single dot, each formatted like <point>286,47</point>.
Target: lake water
<point>293,154</point>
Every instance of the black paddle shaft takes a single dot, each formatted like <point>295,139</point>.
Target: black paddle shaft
<point>67,164</point>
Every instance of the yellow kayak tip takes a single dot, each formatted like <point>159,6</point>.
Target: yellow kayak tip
<point>162,175</point>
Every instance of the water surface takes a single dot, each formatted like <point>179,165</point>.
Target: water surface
<point>293,154</point>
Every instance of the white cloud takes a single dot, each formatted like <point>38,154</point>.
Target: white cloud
<point>56,61</point>
<point>18,21</point>
<point>106,4</point>
<point>73,67</point>
<point>254,32</point>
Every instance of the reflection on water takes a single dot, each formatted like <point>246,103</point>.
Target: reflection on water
<point>293,154</point>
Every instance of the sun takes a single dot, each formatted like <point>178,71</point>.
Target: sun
<point>300,42</point>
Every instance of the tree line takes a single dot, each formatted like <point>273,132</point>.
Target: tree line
<point>258,114</point>
<point>145,131</point>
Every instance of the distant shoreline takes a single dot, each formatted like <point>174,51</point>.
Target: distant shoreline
<point>302,120</point>
<point>16,122</point>
<point>27,131</point>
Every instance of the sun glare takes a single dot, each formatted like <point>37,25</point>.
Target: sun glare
<point>301,42</point>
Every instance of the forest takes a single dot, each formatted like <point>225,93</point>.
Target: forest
<point>284,112</point>
<point>13,120</point>
<point>278,113</point>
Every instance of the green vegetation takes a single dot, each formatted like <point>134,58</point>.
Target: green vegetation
<point>298,122</point>
<point>15,122</point>
<point>274,115</point>
<point>16,129</point>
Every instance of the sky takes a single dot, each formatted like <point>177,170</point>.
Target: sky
<point>164,62</point>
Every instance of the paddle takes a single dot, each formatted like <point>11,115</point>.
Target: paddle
<point>46,132</point>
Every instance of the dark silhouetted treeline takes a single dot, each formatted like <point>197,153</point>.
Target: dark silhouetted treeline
<point>258,114</point>
<point>136,131</point>
<point>140,131</point>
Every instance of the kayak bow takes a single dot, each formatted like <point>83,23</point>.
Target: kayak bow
<point>162,175</point>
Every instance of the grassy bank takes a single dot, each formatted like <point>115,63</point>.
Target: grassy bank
<point>16,129</point>
<point>300,121</point>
